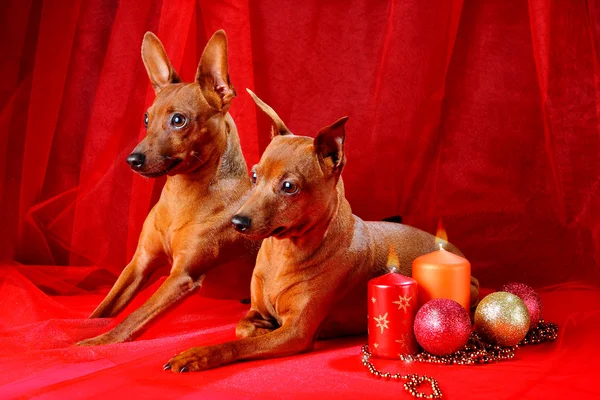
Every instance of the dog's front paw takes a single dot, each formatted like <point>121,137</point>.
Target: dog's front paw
<point>105,338</point>
<point>195,359</point>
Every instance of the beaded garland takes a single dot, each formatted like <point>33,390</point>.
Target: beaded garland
<point>476,351</point>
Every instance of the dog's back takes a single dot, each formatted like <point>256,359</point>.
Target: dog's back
<point>408,242</point>
<point>371,245</point>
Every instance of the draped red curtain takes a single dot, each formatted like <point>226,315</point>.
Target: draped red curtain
<point>482,113</point>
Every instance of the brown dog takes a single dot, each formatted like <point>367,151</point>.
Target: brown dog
<point>310,279</point>
<point>192,139</point>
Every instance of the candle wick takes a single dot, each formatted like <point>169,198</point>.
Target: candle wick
<point>441,246</point>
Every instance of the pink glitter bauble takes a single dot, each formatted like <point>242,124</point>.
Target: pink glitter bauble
<point>442,326</point>
<point>530,298</point>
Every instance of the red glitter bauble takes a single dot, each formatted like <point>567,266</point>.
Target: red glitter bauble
<point>442,326</point>
<point>530,298</point>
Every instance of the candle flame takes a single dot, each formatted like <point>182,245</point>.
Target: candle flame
<point>441,236</point>
<point>392,262</point>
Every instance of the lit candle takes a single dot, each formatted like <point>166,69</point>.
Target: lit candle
<point>392,300</point>
<point>442,274</point>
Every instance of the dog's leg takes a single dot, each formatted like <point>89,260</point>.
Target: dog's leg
<point>148,255</point>
<point>127,285</point>
<point>178,285</point>
<point>254,324</point>
<point>287,340</point>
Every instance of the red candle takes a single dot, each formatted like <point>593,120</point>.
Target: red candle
<point>445,275</point>
<point>392,308</point>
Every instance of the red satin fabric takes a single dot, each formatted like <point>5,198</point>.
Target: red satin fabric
<point>483,113</point>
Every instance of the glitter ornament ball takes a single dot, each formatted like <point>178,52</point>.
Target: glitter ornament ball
<point>502,318</point>
<point>530,298</point>
<point>442,326</point>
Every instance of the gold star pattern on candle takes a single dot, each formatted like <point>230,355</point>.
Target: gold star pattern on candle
<point>403,302</point>
<point>382,322</point>
<point>373,299</point>
<point>402,340</point>
<point>376,345</point>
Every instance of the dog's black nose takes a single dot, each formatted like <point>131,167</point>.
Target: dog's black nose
<point>241,223</point>
<point>136,160</point>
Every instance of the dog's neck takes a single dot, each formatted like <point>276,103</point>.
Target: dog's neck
<point>333,223</point>
<point>232,163</point>
<point>228,164</point>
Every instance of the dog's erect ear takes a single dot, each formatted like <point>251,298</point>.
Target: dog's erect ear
<point>159,68</point>
<point>213,74</point>
<point>329,146</point>
<point>279,128</point>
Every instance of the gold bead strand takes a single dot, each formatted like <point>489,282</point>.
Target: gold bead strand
<point>412,381</point>
<point>476,351</point>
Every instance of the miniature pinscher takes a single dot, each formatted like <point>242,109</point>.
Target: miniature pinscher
<point>193,140</point>
<point>311,273</point>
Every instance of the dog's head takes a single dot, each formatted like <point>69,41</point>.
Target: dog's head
<point>184,124</point>
<point>295,182</point>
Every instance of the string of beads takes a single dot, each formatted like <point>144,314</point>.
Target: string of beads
<point>476,351</point>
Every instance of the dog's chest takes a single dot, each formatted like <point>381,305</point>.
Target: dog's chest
<point>272,290</point>
<point>193,230</point>
<point>273,287</point>
<point>284,289</point>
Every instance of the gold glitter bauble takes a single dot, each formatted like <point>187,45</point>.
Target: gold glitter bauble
<point>502,318</point>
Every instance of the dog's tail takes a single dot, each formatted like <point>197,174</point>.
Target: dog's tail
<point>396,219</point>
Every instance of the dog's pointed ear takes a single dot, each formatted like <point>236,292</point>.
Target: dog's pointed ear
<point>279,128</point>
<point>329,146</point>
<point>213,72</point>
<point>158,66</point>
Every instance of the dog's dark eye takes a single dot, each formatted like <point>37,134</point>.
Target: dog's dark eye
<point>178,121</point>
<point>253,177</point>
<point>289,188</point>
<point>146,120</point>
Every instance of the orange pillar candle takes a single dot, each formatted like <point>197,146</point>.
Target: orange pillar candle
<point>445,275</point>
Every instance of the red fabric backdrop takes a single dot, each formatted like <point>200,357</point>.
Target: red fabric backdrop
<point>485,113</point>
